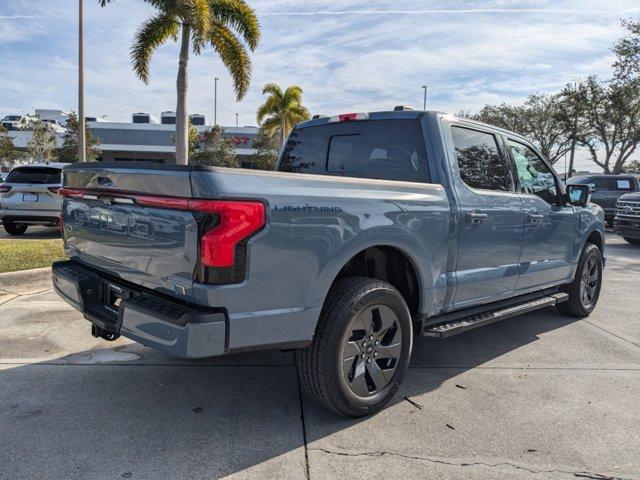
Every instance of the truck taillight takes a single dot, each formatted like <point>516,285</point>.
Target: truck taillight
<point>236,221</point>
<point>348,117</point>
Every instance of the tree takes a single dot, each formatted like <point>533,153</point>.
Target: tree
<point>633,167</point>
<point>42,144</point>
<point>6,148</point>
<point>227,25</point>
<point>68,151</point>
<point>267,149</point>
<point>216,150</point>
<point>539,119</point>
<point>611,122</point>
<point>627,52</point>
<point>281,110</point>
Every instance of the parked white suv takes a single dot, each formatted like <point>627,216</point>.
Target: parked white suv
<point>29,196</point>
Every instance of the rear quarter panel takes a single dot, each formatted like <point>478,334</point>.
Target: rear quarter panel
<point>315,225</point>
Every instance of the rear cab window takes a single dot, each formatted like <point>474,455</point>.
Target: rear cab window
<point>35,175</point>
<point>376,149</point>
<point>623,185</point>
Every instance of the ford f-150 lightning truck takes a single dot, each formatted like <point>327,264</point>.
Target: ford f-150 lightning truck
<point>375,228</point>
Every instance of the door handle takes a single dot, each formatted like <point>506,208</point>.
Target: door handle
<point>535,217</point>
<point>476,218</point>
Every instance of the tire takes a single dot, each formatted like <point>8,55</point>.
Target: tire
<point>588,276</point>
<point>632,241</point>
<point>355,371</point>
<point>13,229</point>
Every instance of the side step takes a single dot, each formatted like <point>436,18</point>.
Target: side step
<point>455,327</point>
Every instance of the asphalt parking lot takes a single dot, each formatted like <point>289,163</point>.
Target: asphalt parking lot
<point>538,396</point>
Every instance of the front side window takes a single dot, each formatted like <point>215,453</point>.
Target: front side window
<point>534,176</point>
<point>479,160</point>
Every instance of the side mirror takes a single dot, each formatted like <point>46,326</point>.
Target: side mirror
<point>578,195</point>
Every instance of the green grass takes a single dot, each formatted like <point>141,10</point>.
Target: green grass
<point>24,254</point>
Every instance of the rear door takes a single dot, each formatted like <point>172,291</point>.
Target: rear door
<point>491,218</point>
<point>550,225</point>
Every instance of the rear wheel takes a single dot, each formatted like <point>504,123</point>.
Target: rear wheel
<point>13,229</point>
<point>584,290</point>
<point>361,349</point>
<point>632,241</point>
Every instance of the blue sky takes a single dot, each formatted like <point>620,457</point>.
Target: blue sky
<point>348,55</point>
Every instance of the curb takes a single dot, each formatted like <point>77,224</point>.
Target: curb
<point>24,282</point>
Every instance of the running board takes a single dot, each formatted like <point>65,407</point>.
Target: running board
<point>449,329</point>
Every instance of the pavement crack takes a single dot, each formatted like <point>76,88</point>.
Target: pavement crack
<point>381,453</point>
<point>612,333</point>
<point>304,427</point>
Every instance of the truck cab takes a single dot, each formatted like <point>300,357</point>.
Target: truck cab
<point>375,227</point>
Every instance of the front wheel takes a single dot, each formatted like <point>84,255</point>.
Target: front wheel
<point>632,241</point>
<point>584,290</point>
<point>361,349</point>
<point>13,229</point>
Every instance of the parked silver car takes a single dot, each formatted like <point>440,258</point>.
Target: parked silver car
<point>29,196</point>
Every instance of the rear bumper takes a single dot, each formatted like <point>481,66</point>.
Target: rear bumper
<point>31,217</point>
<point>157,322</point>
<point>627,227</point>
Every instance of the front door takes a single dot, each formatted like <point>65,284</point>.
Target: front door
<point>550,225</point>
<point>491,219</point>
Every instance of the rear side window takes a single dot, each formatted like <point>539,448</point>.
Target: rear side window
<point>41,175</point>
<point>381,149</point>
<point>623,184</point>
<point>480,163</point>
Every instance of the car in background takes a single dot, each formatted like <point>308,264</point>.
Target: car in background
<point>29,196</point>
<point>15,122</point>
<point>627,220</point>
<point>607,189</point>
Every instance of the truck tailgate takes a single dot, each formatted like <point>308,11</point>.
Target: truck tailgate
<point>103,228</point>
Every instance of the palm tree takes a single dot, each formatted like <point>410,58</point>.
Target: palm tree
<point>281,110</point>
<point>226,25</point>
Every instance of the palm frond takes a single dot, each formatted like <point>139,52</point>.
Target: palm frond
<point>293,94</point>
<point>271,125</point>
<point>273,89</point>
<point>299,114</point>
<point>271,106</point>
<point>240,17</point>
<point>153,33</point>
<point>198,16</point>
<point>234,56</point>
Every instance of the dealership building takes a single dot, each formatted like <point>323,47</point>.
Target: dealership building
<point>145,138</point>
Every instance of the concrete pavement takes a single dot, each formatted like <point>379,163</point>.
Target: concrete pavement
<point>538,396</point>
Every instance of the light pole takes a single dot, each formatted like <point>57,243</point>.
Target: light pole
<point>82,156</point>
<point>236,119</point>
<point>424,107</point>
<point>215,100</point>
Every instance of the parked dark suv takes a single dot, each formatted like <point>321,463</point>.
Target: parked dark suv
<point>627,220</point>
<point>607,190</point>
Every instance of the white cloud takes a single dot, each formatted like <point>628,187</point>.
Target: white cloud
<point>492,51</point>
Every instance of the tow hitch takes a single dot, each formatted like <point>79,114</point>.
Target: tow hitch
<point>98,332</point>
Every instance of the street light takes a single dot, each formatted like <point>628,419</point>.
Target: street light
<point>425,97</point>
<point>215,100</point>
<point>237,119</point>
<point>82,156</point>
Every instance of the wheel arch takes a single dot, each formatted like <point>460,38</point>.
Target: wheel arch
<point>388,263</point>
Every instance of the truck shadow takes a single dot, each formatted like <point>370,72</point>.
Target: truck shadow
<point>173,419</point>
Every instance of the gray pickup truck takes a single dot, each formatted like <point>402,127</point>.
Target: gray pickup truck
<point>376,227</point>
